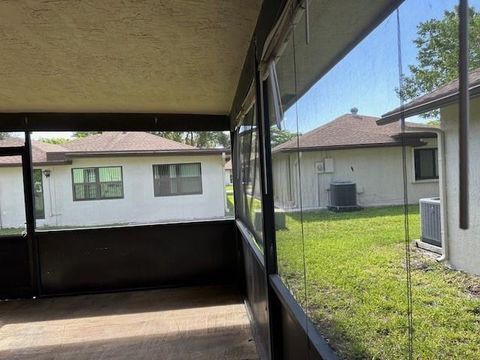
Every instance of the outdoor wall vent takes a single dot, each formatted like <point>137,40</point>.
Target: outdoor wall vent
<point>431,221</point>
<point>343,196</point>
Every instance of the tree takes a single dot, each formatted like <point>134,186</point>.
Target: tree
<point>171,135</point>
<point>435,123</point>
<point>83,134</point>
<point>278,136</point>
<point>56,141</point>
<point>211,139</point>
<point>201,139</point>
<point>437,56</point>
<point>4,135</point>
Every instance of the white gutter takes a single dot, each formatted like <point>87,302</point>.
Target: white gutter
<point>442,187</point>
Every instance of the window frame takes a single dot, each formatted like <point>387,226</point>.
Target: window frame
<point>98,183</point>
<point>155,194</point>
<point>417,168</point>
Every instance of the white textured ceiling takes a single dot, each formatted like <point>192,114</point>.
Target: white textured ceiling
<point>172,56</point>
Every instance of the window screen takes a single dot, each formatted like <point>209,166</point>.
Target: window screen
<point>177,179</point>
<point>97,183</point>
<point>143,169</point>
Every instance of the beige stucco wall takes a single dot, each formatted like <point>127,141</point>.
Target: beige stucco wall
<point>464,245</point>
<point>378,173</point>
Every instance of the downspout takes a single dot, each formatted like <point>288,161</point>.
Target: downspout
<point>442,187</point>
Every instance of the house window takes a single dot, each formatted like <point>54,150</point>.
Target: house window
<point>97,183</point>
<point>426,164</point>
<point>177,179</point>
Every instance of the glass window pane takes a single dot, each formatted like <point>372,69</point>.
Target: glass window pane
<point>190,185</point>
<point>369,270</point>
<point>78,176</point>
<point>426,163</point>
<point>348,180</point>
<point>286,161</point>
<point>90,175</point>
<point>111,190</point>
<point>189,170</point>
<point>177,179</point>
<point>107,174</point>
<point>172,171</point>
<point>445,266</point>
<point>249,175</point>
<point>352,193</point>
<point>91,191</point>
<point>79,191</point>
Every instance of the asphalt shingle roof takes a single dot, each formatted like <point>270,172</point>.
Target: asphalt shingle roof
<point>39,150</point>
<point>348,131</point>
<point>124,141</point>
<point>448,90</point>
<point>107,142</point>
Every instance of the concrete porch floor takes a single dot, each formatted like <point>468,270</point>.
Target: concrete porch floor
<point>184,323</point>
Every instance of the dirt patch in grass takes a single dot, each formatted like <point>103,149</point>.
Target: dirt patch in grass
<point>476,310</point>
<point>419,264</point>
<point>474,290</point>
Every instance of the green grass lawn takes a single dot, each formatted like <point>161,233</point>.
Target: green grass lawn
<point>11,231</point>
<point>230,205</point>
<point>356,286</point>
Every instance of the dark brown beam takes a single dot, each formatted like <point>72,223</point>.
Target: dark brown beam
<point>112,122</point>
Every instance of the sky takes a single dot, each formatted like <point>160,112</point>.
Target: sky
<point>368,76</point>
<point>57,134</point>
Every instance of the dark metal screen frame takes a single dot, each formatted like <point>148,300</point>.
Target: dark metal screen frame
<point>27,169</point>
<point>112,122</point>
<point>25,152</point>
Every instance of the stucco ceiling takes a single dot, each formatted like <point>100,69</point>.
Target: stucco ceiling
<point>171,56</point>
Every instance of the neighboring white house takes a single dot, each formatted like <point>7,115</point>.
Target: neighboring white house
<point>228,173</point>
<point>115,177</point>
<point>354,148</point>
<point>461,248</point>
